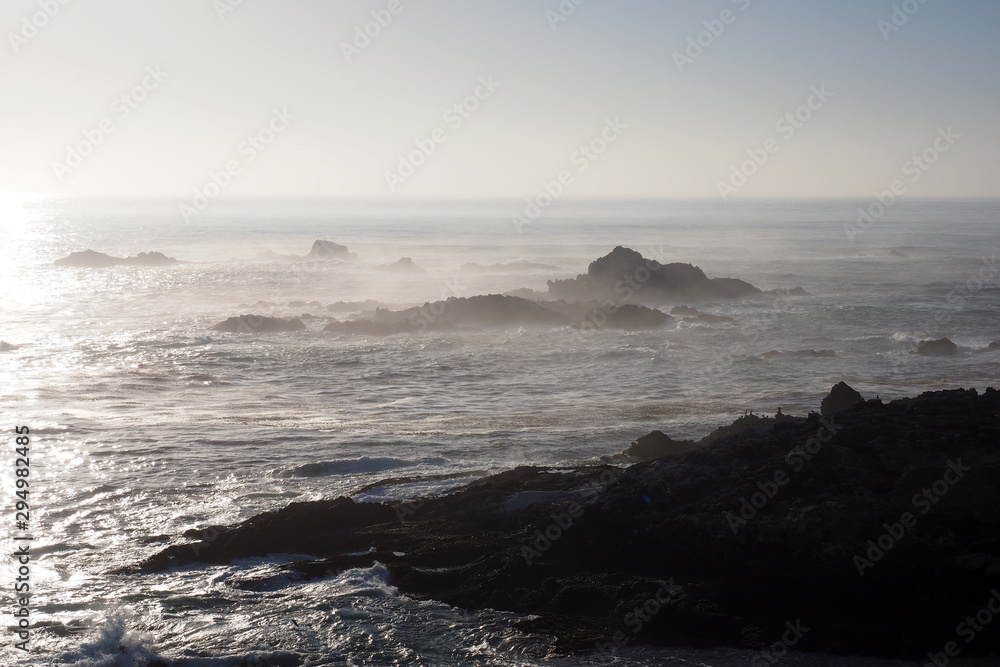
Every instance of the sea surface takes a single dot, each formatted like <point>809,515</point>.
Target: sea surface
<point>146,423</point>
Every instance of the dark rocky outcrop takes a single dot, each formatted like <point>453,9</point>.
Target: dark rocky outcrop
<point>625,275</point>
<point>841,397</point>
<point>260,324</point>
<point>995,345</point>
<point>629,317</point>
<point>790,520</point>
<point>403,265</point>
<point>941,347</point>
<point>658,445</point>
<point>91,259</point>
<point>495,310</point>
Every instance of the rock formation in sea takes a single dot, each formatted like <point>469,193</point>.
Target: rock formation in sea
<point>7,347</point>
<point>874,532</point>
<point>626,276</point>
<point>496,310</point>
<point>260,324</point>
<point>941,347</point>
<point>328,250</point>
<point>91,259</point>
<point>403,265</point>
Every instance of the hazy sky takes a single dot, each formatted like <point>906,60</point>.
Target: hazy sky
<point>338,123</point>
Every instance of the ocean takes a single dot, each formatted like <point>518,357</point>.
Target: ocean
<point>146,423</point>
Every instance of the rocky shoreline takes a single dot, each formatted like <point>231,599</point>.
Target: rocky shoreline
<point>872,529</point>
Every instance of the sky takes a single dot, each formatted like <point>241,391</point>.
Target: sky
<point>619,99</point>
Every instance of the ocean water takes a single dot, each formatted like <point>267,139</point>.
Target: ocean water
<point>146,422</point>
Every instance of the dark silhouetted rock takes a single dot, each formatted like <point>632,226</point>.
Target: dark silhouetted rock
<point>328,250</point>
<point>841,397</point>
<point>941,347</point>
<point>260,324</point>
<point>995,345</point>
<point>91,259</point>
<point>404,265</point>
<point>629,317</point>
<point>626,276</point>
<point>771,523</point>
<point>657,445</point>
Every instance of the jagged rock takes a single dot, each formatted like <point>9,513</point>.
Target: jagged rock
<point>404,265</point>
<point>260,324</point>
<point>328,250</point>
<point>627,276</point>
<point>91,259</point>
<point>941,347</point>
<point>736,537</point>
<point>841,397</point>
<point>657,445</point>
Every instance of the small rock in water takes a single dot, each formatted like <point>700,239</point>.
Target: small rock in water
<point>941,347</point>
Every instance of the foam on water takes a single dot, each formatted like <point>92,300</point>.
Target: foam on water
<point>147,423</point>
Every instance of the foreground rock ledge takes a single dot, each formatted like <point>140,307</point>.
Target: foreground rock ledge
<point>581,551</point>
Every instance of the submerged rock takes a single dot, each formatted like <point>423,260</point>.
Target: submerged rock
<point>841,397</point>
<point>799,520</point>
<point>626,275</point>
<point>941,347</point>
<point>260,324</point>
<point>91,259</point>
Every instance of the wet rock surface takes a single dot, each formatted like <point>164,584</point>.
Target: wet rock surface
<point>941,347</point>
<point>877,531</point>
